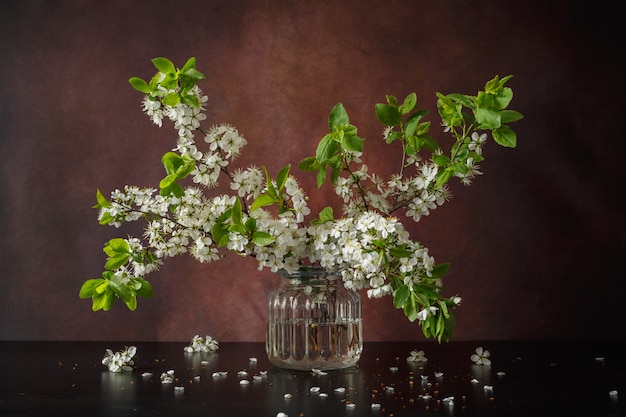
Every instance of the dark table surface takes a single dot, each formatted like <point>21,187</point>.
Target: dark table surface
<point>525,379</point>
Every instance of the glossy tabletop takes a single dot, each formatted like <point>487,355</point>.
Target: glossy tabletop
<point>524,379</point>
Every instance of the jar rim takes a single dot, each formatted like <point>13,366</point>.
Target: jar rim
<point>310,271</point>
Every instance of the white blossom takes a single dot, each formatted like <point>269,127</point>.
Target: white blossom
<point>481,356</point>
<point>417,356</point>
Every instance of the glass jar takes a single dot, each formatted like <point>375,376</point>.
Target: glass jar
<point>313,322</point>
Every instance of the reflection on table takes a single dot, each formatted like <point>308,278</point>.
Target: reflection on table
<point>525,378</point>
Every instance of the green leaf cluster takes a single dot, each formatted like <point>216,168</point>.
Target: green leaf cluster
<point>464,114</point>
<point>415,297</point>
<point>232,221</point>
<point>273,193</point>
<point>406,124</point>
<point>487,111</point>
<point>176,82</point>
<point>104,291</point>
<point>332,148</point>
<point>177,168</point>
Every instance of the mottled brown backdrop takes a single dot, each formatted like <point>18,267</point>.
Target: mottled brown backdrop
<point>536,244</point>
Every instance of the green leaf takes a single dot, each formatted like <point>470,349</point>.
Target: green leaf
<point>487,118</point>
<point>393,136</point>
<point>250,224</point>
<point>102,201</point>
<point>462,99</point>
<point>271,190</point>
<point>510,116</point>
<point>282,176</point>
<point>441,160</point>
<point>115,246</point>
<point>439,325</point>
<point>171,99</point>
<point>401,296</point>
<point>411,123</point>
<point>174,189</point>
<point>140,85</point>
<point>109,300</point>
<point>422,129</point>
<point>338,117</point>
<point>262,238</point>
<point>190,64</point>
<point>218,231</point>
<point>459,168</point>
<point>504,98</point>
<point>320,178</point>
<point>122,290</point>
<point>171,161</point>
<point>326,148</point>
<point>239,229</point>
<point>145,290</point>
<point>309,164</point>
<point>400,252</point>
<point>444,309</point>
<point>118,251</point>
<point>178,166</point>
<point>88,288</point>
<point>237,213</point>
<point>427,142</point>
<point>190,100</point>
<point>193,74</point>
<point>106,219</point>
<point>443,177</point>
<point>440,270</point>
<point>326,215</point>
<point>449,110</point>
<point>167,181</point>
<point>99,301</point>
<point>391,100</point>
<point>116,261</point>
<point>409,104</point>
<point>131,303</point>
<point>169,82</point>
<point>164,65</point>
<point>495,96</point>
<point>505,136</point>
<point>388,115</point>
<point>411,308</point>
<point>262,201</point>
<point>352,143</point>
<point>187,167</point>
<point>103,287</point>
<point>224,240</point>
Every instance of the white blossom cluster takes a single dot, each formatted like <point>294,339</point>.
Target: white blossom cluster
<point>120,361</point>
<point>417,193</point>
<point>355,246</point>
<point>200,344</point>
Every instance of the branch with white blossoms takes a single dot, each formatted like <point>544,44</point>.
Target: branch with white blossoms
<point>266,217</point>
<point>121,361</point>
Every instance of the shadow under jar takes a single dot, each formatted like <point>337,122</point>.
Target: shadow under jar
<point>313,322</point>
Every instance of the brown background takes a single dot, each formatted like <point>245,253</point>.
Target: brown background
<point>536,244</point>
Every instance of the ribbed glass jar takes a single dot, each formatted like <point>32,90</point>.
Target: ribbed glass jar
<point>313,322</point>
